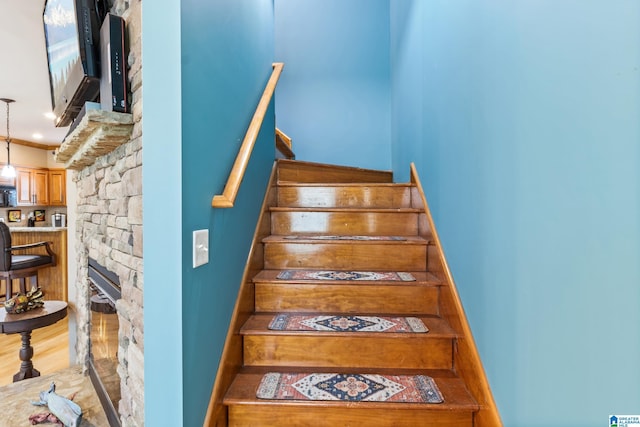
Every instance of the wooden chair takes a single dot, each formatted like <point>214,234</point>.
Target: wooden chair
<point>15,266</point>
<point>20,267</point>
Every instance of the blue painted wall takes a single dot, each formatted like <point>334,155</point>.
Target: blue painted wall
<point>333,97</point>
<point>206,65</point>
<point>162,232</point>
<point>523,120</point>
<point>227,52</point>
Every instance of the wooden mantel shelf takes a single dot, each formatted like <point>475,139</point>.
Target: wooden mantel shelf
<point>98,133</point>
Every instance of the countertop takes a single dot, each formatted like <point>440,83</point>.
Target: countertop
<point>36,229</point>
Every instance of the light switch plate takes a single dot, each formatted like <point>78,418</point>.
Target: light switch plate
<point>200,247</point>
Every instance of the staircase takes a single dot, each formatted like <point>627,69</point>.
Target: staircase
<point>323,218</point>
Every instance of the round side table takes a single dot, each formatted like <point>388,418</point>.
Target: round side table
<point>24,324</point>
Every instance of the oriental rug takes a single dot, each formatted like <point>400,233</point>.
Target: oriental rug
<point>345,275</point>
<point>349,387</point>
<point>314,237</point>
<point>324,323</point>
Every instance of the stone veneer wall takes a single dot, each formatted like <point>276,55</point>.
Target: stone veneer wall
<point>109,229</point>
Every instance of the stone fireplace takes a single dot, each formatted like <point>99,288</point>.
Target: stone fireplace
<point>109,230</point>
<point>105,153</point>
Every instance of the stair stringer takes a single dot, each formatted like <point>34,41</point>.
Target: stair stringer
<point>231,359</point>
<point>467,362</point>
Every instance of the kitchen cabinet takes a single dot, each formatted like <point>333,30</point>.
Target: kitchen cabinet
<point>41,187</point>
<point>23,186</point>
<point>32,186</point>
<point>57,187</point>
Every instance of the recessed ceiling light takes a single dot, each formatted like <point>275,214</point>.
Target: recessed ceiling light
<point>50,115</point>
<point>37,136</point>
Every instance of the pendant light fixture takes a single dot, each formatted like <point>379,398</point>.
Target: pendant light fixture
<point>8,171</point>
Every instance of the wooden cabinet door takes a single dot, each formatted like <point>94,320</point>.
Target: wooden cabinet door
<point>32,186</point>
<point>40,186</point>
<point>24,188</point>
<point>57,187</point>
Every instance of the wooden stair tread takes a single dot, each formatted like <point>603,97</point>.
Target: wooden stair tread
<point>344,184</point>
<point>308,239</point>
<point>258,324</point>
<point>456,397</point>
<point>423,278</point>
<point>320,181</point>
<point>345,209</point>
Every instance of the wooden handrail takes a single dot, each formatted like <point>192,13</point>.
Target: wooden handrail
<point>228,196</point>
<point>284,145</point>
<point>286,139</point>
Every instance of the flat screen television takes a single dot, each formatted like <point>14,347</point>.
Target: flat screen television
<point>72,37</point>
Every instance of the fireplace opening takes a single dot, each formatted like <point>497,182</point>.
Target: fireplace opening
<point>103,357</point>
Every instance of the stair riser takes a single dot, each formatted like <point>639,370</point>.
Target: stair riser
<point>345,197</point>
<point>269,415</point>
<point>346,298</point>
<point>418,351</point>
<point>357,256</point>
<point>309,172</point>
<point>345,223</point>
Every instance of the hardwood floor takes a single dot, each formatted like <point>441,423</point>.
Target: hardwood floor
<point>51,356</point>
<point>50,351</point>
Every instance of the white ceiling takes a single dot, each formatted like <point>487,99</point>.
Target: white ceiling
<point>24,74</point>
